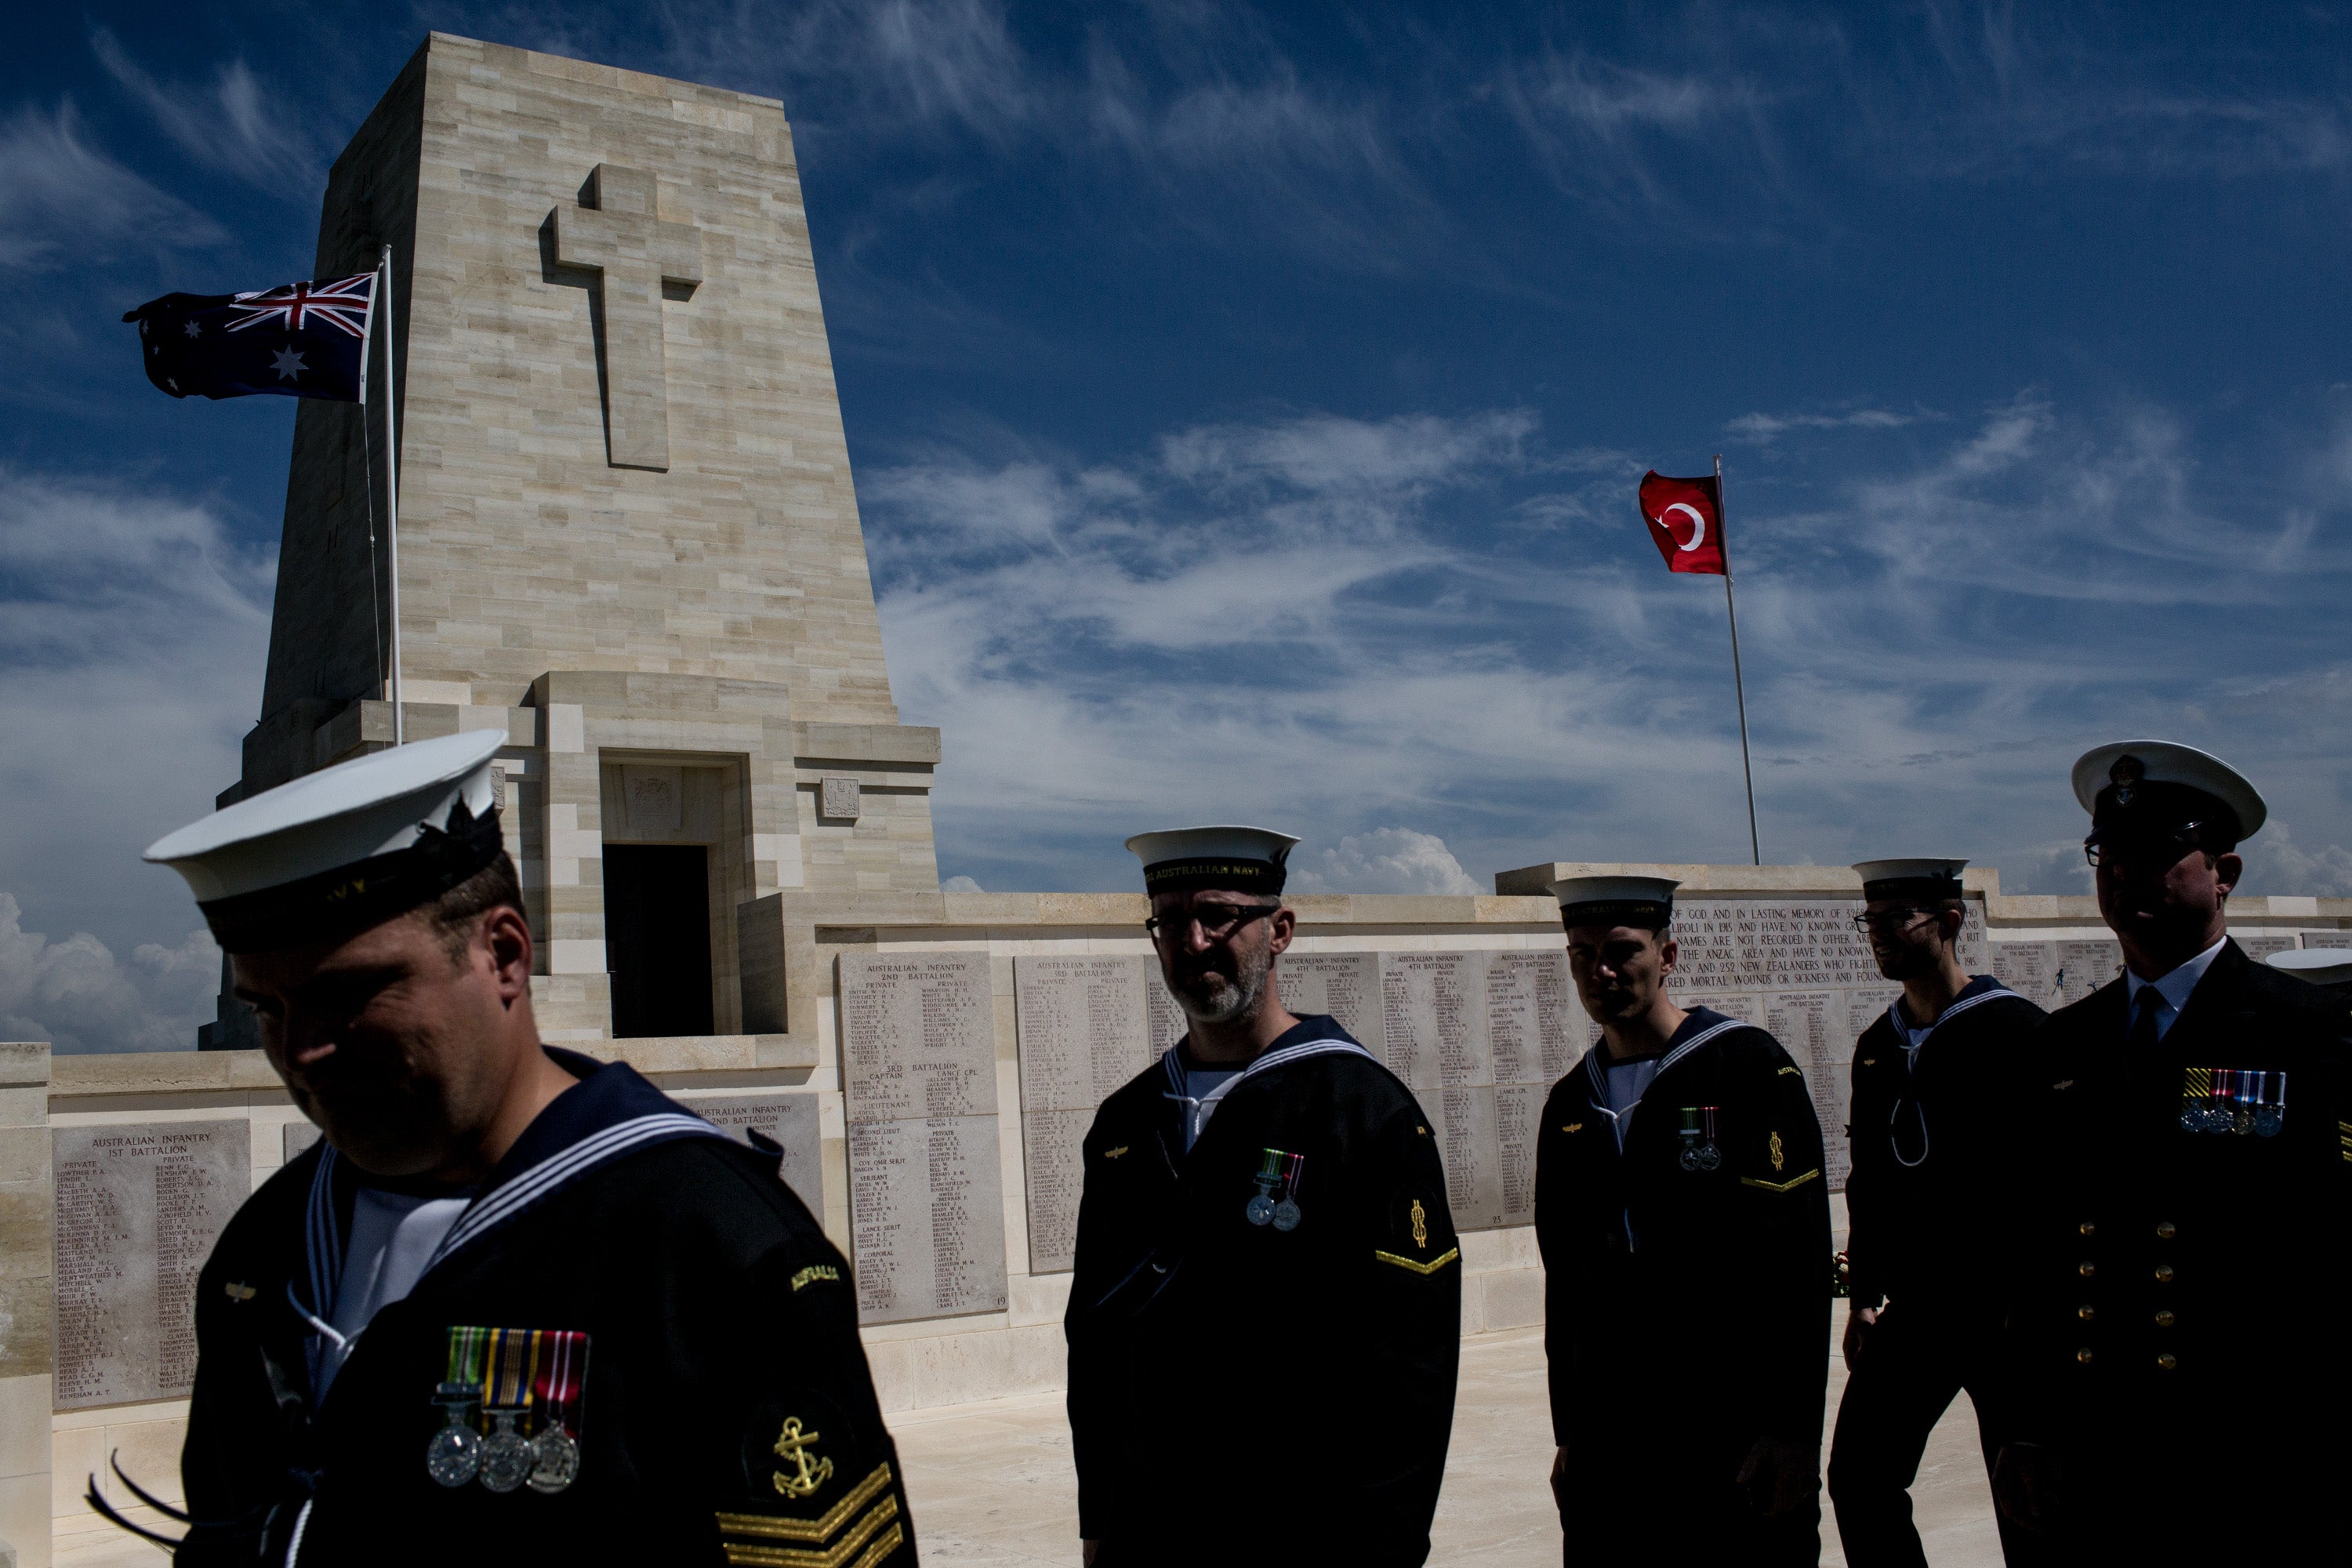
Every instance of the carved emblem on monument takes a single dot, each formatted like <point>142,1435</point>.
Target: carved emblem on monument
<point>616,233</point>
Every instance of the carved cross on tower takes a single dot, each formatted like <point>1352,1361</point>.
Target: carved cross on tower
<point>623,238</point>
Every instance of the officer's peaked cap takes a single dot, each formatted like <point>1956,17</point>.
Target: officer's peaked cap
<point>2162,786</point>
<point>337,851</point>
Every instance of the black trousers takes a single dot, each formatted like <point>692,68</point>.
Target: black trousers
<point>1914,1362</point>
<point>1640,1498</point>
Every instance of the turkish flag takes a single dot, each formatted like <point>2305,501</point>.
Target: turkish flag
<point>1685,519</point>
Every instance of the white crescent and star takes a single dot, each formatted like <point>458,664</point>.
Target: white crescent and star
<point>1698,526</point>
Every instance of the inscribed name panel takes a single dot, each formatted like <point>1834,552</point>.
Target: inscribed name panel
<point>1433,1015</point>
<point>1344,985</point>
<point>927,1217</point>
<point>138,1207</point>
<point>918,1036</point>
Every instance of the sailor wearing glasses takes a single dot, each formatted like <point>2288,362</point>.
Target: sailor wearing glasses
<point>1265,1319</point>
<point>1933,1079</point>
<point>517,1306</point>
<point>1685,1227</point>
<point>2178,1342</point>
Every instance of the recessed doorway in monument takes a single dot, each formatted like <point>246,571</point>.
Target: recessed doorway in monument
<point>676,864</point>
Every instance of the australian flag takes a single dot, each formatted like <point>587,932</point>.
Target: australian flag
<point>304,340</point>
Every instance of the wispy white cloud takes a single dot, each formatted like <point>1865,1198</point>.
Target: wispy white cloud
<point>1764,429</point>
<point>132,632</point>
<point>236,125</point>
<point>63,201</point>
<point>1318,620</point>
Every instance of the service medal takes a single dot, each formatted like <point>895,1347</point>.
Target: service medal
<point>556,1460</point>
<point>454,1456</point>
<point>1283,1211</point>
<point>1259,1210</point>
<point>507,1456</point>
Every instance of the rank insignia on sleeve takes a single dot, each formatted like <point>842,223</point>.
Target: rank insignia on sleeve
<point>1779,1156</point>
<point>1420,1226</point>
<point>861,1529</point>
<point>804,1471</point>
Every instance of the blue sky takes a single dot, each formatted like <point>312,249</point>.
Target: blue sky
<point>1246,404</point>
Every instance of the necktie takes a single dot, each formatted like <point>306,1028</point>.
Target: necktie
<point>2141,1044</point>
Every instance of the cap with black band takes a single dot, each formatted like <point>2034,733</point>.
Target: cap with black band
<point>1927,881</point>
<point>2141,791</point>
<point>1236,860</point>
<point>334,852</point>
<point>1645,903</point>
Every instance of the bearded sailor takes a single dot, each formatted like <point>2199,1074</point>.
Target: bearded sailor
<point>1264,1320</point>
<point>2176,1337</point>
<point>1933,1078</point>
<point>517,1306</point>
<point>1684,1222</point>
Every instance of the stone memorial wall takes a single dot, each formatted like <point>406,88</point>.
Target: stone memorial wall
<point>918,1094</point>
<point>792,1119</point>
<point>138,1209</point>
<point>1086,1028</point>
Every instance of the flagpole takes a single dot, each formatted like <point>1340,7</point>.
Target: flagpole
<point>1738,686</point>
<point>392,505</point>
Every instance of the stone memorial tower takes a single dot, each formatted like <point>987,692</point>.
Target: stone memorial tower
<point>627,538</point>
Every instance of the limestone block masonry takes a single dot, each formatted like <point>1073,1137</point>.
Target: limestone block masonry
<point>627,532</point>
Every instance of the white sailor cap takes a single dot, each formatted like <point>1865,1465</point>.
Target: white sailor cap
<point>2136,788</point>
<point>1909,878</point>
<point>1647,902</point>
<point>2320,966</point>
<point>337,851</point>
<point>1240,859</point>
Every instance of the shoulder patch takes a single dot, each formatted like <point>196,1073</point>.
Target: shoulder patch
<point>1792,1072</point>
<point>1788,1185</point>
<point>813,1274</point>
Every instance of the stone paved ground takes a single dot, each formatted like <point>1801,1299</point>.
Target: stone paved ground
<point>991,1485</point>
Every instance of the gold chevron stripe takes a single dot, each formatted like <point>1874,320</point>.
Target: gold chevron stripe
<point>1780,1186</point>
<point>834,1556</point>
<point>812,1529</point>
<point>1432,1267</point>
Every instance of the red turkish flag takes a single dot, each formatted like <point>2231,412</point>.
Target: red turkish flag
<point>1685,519</point>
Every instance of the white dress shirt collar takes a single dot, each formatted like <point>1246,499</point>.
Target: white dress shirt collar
<point>2172,988</point>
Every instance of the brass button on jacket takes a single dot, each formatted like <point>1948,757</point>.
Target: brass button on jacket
<point>2163,1273</point>
<point>2084,1312</point>
<point>2166,1359</point>
<point>2087,1228</point>
<point>2086,1268</point>
<point>2084,1355</point>
<point>2164,1319</point>
<point>2164,1230</point>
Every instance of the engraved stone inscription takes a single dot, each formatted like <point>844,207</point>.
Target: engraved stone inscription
<point>2084,966</point>
<point>926,1214</point>
<point>2328,939</point>
<point>839,799</point>
<point>1344,985</point>
<point>918,1036</point>
<point>2028,968</point>
<point>2259,948</point>
<point>791,1121</point>
<point>138,1207</point>
<point>1169,1023</point>
<point>926,1192</point>
<point>297,1137</point>
<point>1085,1029</point>
<point>1434,1005</point>
<point>1530,1014</point>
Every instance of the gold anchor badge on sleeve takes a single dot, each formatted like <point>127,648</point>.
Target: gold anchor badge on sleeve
<point>809,1471</point>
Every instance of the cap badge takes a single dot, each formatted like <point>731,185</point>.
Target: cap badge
<point>2126,772</point>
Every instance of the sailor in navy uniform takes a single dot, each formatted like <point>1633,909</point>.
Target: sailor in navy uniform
<point>1265,1317</point>
<point>1933,1080</point>
<point>517,1306</point>
<point>2176,1345</point>
<point>1684,1220</point>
